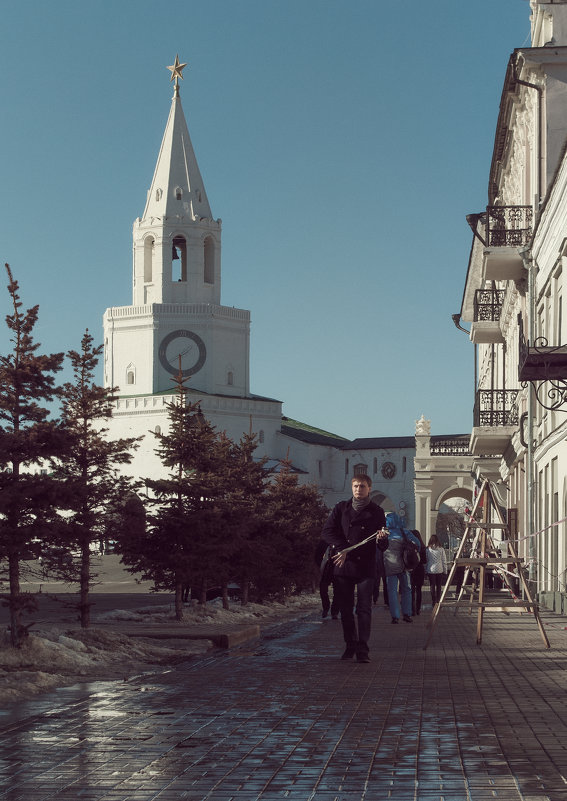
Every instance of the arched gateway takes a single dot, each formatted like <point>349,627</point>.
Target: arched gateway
<point>443,467</point>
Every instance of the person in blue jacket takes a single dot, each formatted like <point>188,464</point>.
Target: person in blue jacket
<point>397,577</point>
<point>350,523</point>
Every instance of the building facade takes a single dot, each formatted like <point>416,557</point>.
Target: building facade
<point>512,302</point>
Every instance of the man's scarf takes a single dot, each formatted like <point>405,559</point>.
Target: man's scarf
<point>359,505</point>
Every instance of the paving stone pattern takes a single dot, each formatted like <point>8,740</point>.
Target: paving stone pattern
<point>284,718</point>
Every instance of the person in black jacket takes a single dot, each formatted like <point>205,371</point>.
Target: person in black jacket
<point>417,575</point>
<point>350,523</point>
<point>324,562</point>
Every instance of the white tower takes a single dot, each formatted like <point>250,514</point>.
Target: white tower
<point>176,317</point>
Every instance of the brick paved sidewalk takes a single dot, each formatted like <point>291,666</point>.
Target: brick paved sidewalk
<point>284,718</point>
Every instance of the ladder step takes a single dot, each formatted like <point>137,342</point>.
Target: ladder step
<point>474,524</point>
<point>489,560</point>
<point>522,607</point>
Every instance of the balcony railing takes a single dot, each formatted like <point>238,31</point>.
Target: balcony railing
<point>496,407</point>
<point>508,226</point>
<point>488,305</point>
<point>452,446</point>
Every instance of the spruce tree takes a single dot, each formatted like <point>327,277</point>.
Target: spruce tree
<point>27,438</point>
<point>90,473</point>
<point>174,549</point>
<point>239,500</point>
<point>294,515</point>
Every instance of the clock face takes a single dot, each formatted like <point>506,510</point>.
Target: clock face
<point>187,345</point>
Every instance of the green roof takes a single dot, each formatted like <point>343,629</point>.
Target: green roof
<point>311,434</point>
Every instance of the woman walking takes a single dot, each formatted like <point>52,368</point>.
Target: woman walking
<point>436,567</point>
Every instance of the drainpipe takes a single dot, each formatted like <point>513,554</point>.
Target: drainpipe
<point>530,523</point>
<point>457,321</point>
<point>528,263</point>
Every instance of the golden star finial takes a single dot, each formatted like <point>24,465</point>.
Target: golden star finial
<point>176,70</point>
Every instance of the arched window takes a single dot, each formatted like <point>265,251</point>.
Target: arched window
<point>130,378</point>
<point>157,429</point>
<point>209,260</point>
<point>261,435</point>
<point>230,378</point>
<point>149,248</point>
<point>375,465</point>
<point>360,470</point>
<point>179,258</point>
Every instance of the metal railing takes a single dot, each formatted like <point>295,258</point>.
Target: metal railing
<point>488,304</point>
<point>509,226</point>
<point>496,407</point>
<point>450,447</point>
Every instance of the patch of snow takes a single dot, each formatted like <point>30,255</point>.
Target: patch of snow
<point>54,656</point>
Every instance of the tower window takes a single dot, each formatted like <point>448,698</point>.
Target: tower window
<point>209,260</point>
<point>261,435</point>
<point>157,429</point>
<point>179,258</point>
<point>130,377</point>
<point>178,193</point>
<point>149,246</point>
<point>230,378</point>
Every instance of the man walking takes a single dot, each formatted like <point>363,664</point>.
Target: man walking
<point>350,523</point>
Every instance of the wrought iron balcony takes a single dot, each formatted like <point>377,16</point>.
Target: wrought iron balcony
<point>487,309</point>
<point>495,421</point>
<point>508,230</point>
<point>488,304</point>
<point>496,407</point>
<point>509,226</point>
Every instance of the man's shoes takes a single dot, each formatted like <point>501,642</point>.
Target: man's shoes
<point>324,613</point>
<point>362,658</point>
<point>348,654</point>
<point>407,619</point>
<point>395,620</point>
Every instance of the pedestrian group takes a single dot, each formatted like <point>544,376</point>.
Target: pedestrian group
<point>362,549</point>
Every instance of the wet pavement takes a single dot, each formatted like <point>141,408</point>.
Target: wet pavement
<point>283,717</point>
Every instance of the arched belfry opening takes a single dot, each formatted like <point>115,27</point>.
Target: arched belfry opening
<point>179,259</point>
<point>209,260</point>
<point>149,252</point>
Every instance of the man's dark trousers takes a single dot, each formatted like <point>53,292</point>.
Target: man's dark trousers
<point>326,602</point>
<point>345,588</point>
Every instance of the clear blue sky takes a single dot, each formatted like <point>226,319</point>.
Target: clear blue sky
<point>342,144</point>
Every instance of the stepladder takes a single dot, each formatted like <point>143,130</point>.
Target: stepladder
<point>480,559</point>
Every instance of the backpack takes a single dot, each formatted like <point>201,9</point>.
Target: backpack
<point>410,553</point>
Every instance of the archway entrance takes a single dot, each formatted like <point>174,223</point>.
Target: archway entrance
<point>443,466</point>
